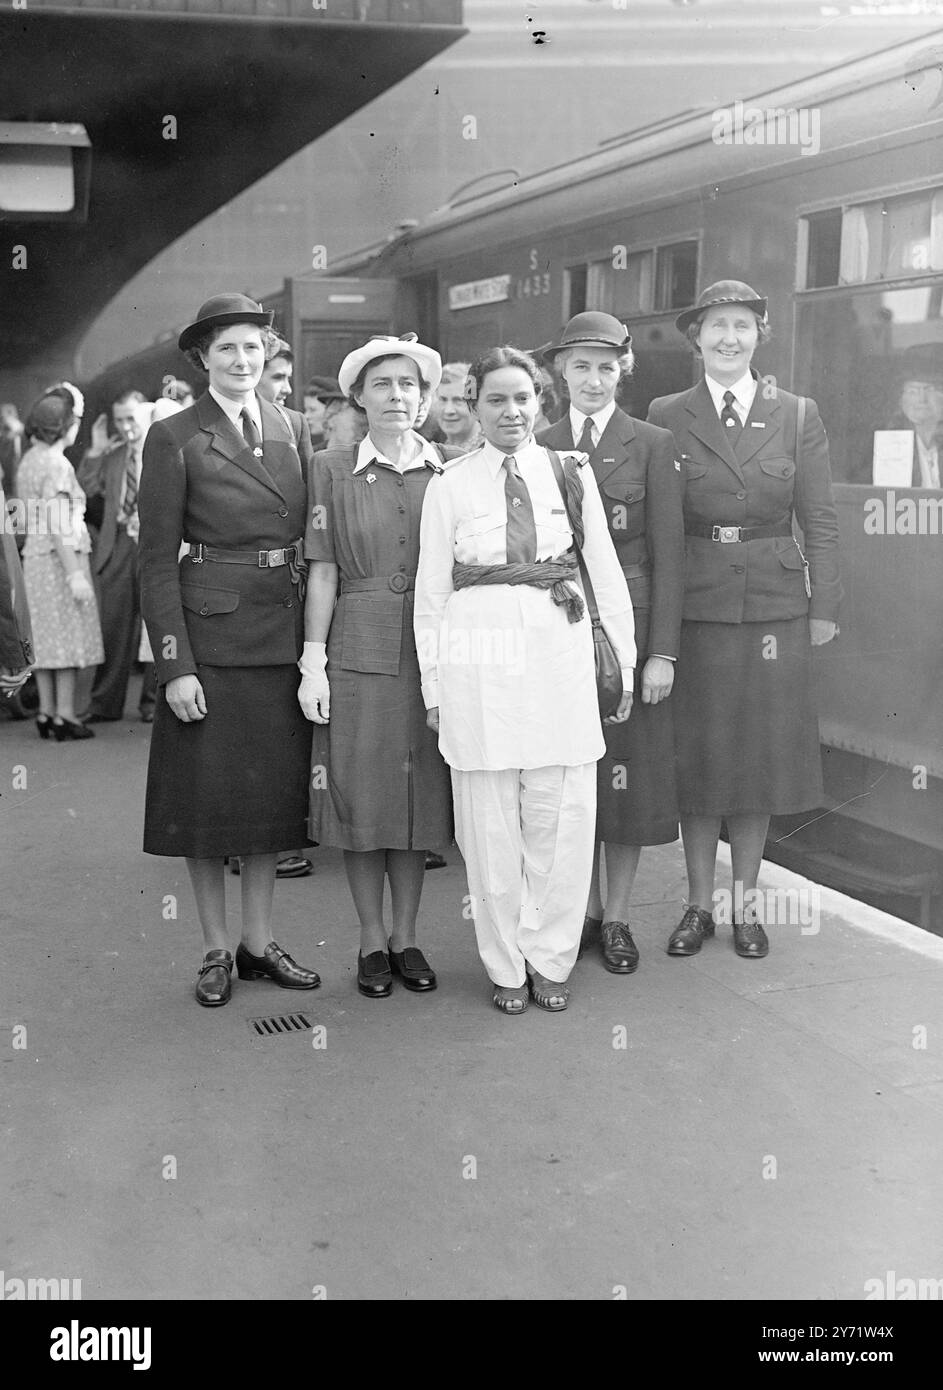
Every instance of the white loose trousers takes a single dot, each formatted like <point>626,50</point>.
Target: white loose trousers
<point>527,839</point>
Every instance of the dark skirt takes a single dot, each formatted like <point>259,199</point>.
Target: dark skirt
<point>235,782</point>
<point>746,731</point>
<point>636,796</point>
<point>378,780</point>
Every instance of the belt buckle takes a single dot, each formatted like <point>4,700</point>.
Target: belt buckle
<point>397,583</point>
<point>196,554</point>
<point>727,535</point>
<point>271,559</point>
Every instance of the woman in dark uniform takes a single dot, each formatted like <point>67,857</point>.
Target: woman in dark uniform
<point>379,787</point>
<point>230,748</point>
<point>634,465</point>
<point>754,458</point>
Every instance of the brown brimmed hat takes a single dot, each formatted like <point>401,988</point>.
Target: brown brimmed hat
<point>723,292</point>
<point>220,310</point>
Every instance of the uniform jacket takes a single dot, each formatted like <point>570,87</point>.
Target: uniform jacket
<point>754,483</point>
<point>16,641</point>
<point>201,483</point>
<point>634,465</point>
<point>101,476</point>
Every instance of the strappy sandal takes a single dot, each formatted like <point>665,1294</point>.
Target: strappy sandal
<point>544,992</point>
<point>507,999</point>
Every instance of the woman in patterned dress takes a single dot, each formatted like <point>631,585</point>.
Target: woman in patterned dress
<point>66,631</point>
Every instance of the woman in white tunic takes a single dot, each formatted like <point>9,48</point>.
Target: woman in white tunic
<point>506,656</point>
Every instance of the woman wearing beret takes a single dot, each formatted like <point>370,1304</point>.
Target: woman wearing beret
<point>230,749</point>
<point>634,465</point>
<point>379,788</point>
<point>754,460</point>
<point>506,652</point>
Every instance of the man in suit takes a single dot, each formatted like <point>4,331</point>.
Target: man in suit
<point>639,483</point>
<point>112,474</point>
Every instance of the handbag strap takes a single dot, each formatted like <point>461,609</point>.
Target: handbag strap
<point>557,465</point>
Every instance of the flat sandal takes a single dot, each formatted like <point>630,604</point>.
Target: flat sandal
<point>542,991</point>
<point>506,995</point>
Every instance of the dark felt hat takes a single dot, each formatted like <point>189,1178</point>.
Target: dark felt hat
<point>220,310</point>
<point>723,292</point>
<point>589,329</point>
<point>921,362</point>
<point>325,388</point>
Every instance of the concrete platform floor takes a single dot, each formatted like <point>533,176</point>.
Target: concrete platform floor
<point>767,1130</point>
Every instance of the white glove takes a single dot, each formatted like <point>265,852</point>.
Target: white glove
<point>80,586</point>
<point>314,693</point>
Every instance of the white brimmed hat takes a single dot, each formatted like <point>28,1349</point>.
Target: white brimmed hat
<point>407,345</point>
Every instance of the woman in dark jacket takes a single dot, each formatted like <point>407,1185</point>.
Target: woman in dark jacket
<point>229,755</point>
<point>380,789</point>
<point>634,465</point>
<point>754,460</point>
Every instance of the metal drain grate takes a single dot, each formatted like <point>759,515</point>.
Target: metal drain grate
<point>278,1024</point>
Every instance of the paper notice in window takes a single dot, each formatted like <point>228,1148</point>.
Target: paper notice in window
<point>893,458</point>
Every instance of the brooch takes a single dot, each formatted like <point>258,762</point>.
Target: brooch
<point>257,452</point>
<point>371,477</point>
<point>515,501</point>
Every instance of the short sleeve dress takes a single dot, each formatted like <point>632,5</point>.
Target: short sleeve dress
<point>378,780</point>
<point>66,633</point>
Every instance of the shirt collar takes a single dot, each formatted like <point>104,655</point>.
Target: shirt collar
<point>233,410</point>
<point>600,421</point>
<point>494,458</point>
<point>744,390</point>
<point>367,453</point>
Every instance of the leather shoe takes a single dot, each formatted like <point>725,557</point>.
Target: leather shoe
<point>147,716</point>
<point>589,935</point>
<point>690,933</point>
<point>750,940</point>
<point>374,978</point>
<point>276,965</point>
<point>214,983</point>
<point>293,866</point>
<point>619,951</point>
<point>413,968</point>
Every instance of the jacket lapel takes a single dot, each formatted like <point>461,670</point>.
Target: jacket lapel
<point>228,443</point>
<point>559,436</point>
<point>705,425</point>
<point>612,451</point>
<point>764,423</point>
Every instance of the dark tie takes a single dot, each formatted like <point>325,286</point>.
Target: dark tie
<point>250,433</point>
<point>130,504</point>
<point>729,418</point>
<point>586,445</point>
<point>521,533</point>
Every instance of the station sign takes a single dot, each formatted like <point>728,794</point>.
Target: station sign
<point>476,292</point>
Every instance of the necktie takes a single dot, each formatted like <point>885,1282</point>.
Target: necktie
<point>729,418</point>
<point>130,504</point>
<point>250,433</point>
<point>521,532</point>
<point>587,443</point>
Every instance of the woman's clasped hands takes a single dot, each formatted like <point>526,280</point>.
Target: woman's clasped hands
<point>314,693</point>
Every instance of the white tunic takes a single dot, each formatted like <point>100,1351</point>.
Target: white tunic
<point>513,679</point>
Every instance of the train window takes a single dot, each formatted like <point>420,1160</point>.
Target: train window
<point>574,290</point>
<point>823,231</point>
<point>632,285</point>
<point>675,275</point>
<point>880,240</point>
<point>873,361</point>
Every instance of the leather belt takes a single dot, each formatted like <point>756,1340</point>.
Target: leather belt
<point>399,583</point>
<point>261,559</point>
<point>637,571</point>
<point>734,535</point>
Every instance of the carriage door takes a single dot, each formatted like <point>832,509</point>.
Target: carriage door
<point>329,317</point>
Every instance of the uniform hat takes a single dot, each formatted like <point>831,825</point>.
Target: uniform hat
<point>590,329</point>
<point>723,292</point>
<point>923,362</point>
<point>220,310</point>
<point>426,359</point>
<point>325,388</point>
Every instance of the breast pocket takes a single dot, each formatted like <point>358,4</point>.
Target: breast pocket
<point>625,508</point>
<point>480,540</point>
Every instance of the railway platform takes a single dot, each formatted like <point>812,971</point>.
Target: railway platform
<point>708,1128</point>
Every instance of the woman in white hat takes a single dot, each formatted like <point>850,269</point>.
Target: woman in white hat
<point>379,787</point>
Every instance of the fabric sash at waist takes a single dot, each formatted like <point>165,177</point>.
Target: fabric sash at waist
<point>541,574</point>
<point>399,583</point>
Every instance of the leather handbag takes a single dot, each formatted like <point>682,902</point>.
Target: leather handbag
<point>608,670</point>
